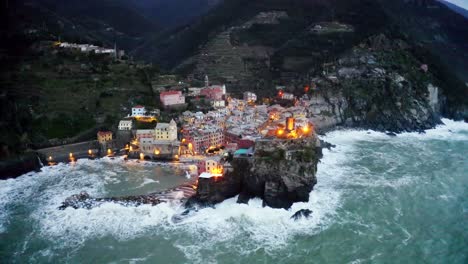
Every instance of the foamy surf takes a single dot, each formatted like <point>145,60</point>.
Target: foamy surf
<point>363,162</point>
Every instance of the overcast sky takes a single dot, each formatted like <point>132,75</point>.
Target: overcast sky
<point>462,3</point>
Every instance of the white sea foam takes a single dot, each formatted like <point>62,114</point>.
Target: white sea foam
<point>251,226</point>
<point>266,227</point>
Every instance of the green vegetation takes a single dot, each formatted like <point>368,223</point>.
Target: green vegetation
<point>63,125</point>
<point>69,95</point>
<point>145,125</point>
<point>308,154</point>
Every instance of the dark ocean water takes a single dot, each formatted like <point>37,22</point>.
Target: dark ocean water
<point>379,199</point>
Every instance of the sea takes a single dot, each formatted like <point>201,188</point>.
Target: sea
<point>379,199</point>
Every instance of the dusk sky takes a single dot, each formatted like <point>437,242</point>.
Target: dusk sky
<point>462,3</point>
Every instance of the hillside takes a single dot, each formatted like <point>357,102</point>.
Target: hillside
<point>174,13</point>
<point>52,96</point>
<point>87,21</point>
<point>250,45</point>
<point>259,44</point>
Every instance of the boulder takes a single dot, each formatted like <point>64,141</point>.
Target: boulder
<point>303,213</point>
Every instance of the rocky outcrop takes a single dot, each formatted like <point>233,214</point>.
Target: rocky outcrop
<point>281,173</point>
<point>304,213</point>
<point>378,85</point>
<point>23,164</point>
<point>84,200</point>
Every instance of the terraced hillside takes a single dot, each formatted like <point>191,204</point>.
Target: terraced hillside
<point>54,96</point>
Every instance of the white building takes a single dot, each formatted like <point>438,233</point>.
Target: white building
<point>218,103</point>
<point>287,96</point>
<point>194,91</point>
<point>250,97</point>
<point>125,124</point>
<point>138,110</point>
<point>166,131</point>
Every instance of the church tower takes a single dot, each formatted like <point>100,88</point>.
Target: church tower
<point>115,51</point>
<point>172,130</point>
<point>207,82</point>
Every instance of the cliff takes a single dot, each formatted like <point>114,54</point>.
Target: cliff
<point>378,85</point>
<point>257,45</point>
<point>281,173</point>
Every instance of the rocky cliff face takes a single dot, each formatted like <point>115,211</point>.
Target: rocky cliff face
<point>281,173</point>
<point>378,85</point>
<point>286,43</point>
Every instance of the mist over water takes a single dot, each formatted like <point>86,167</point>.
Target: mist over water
<point>378,199</point>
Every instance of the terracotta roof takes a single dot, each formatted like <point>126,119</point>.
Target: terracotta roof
<point>170,93</point>
<point>139,106</point>
<point>102,133</point>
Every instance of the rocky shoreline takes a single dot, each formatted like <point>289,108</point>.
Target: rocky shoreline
<point>281,173</point>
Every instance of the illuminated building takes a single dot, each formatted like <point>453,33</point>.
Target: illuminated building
<point>104,136</point>
<point>138,110</point>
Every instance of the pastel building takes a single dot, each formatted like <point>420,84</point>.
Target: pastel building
<point>211,165</point>
<point>203,139</point>
<point>166,131</point>
<point>144,133</point>
<point>214,93</point>
<point>104,136</point>
<point>172,98</point>
<point>125,124</point>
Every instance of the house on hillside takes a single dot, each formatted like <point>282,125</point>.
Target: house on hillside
<point>126,124</point>
<point>138,110</point>
<point>250,97</point>
<point>172,98</point>
<point>104,136</point>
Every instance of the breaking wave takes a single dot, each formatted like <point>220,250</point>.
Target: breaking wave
<point>243,228</point>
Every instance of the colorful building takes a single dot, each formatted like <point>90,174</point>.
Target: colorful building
<point>144,133</point>
<point>214,93</point>
<point>104,136</point>
<point>166,131</point>
<point>203,139</point>
<point>211,165</point>
<point>172,98</point>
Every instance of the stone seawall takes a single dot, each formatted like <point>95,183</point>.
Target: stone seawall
<point>61,153</point>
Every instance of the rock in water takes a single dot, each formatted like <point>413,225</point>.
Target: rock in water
<point>304,213</point>
<point>83,199</point>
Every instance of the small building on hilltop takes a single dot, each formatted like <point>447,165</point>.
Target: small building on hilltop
<point>172,98</point>
<point>138,110</point>
<point>126,124</point>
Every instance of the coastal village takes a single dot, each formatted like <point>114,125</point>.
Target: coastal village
<point>208,139</point>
